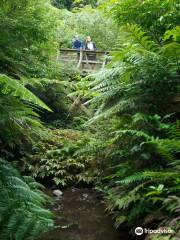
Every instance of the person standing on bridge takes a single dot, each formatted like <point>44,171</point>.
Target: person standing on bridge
<point>90,45</point>
<point>77,43</point>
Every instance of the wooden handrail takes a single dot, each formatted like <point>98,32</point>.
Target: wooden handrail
<point>84,50</point>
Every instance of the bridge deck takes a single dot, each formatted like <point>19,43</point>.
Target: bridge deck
<point>84,60</point>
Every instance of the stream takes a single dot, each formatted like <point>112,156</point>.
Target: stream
<point>80,215</point>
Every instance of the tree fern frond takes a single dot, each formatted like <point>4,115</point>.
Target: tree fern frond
<point>137,37</point>
<point>12,86</point>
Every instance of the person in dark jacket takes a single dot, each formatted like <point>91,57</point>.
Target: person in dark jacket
<point>90,45</point>
<point>76,43</point>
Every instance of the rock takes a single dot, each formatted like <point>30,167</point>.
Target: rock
<point>85,196</point>
<point>73,190</point>
<point>57,207</point>
<point>57,193</point>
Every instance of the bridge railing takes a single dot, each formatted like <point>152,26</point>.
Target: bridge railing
<point>83,59</point>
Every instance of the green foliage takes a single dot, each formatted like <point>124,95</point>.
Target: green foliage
<point>135,115</point>
<point>138,74</point>
<point>52,92</point>
<point>13,87</point>
<point>58,159</point>
<point>28,47</point>
<point>155,16</point>
<point>138,197</point>
<point>129,148</point>
<point>85,22</point>
<point>22,215</point>
<point>27,40</point>
<point>69,4</point>
<point>173,33</point>
<point>18,122</point>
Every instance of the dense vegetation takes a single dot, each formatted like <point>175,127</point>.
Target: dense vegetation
<point>117,130</point>
<point>71,4</point>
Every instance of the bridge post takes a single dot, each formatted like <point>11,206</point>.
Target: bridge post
<point>80,59</point>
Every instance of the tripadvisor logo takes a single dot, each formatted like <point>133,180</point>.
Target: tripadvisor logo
<point>139,231</point>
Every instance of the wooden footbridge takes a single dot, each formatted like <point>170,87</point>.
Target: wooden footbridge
<point>84,60</point>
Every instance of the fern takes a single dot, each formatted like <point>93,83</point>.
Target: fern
<point>18,122</point>
<point>137,38</point>
<point>153,176</point>
<point>21,206</point>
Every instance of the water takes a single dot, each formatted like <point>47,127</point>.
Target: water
<point>80,215</point>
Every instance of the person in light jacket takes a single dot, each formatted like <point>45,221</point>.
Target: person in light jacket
<point>90,45</point>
